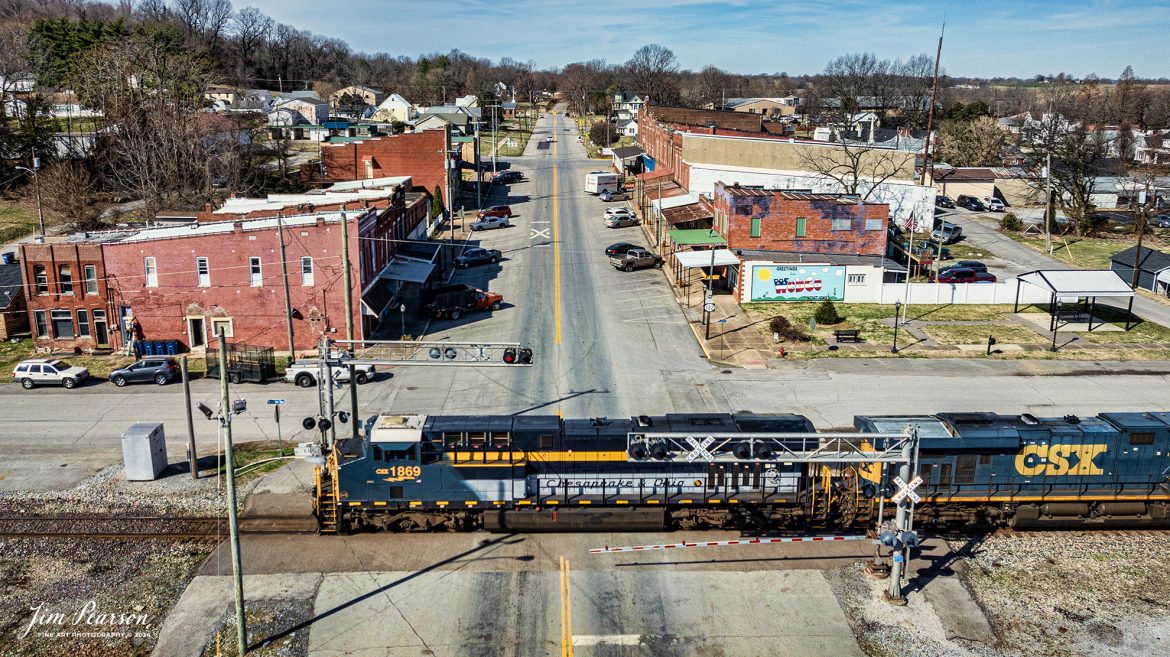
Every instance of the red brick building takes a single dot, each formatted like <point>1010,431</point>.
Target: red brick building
<point>420,155</point>
<point>186,282</point>
<point>753,218</point>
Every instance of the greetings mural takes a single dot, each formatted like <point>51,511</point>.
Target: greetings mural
<point>797,283</point>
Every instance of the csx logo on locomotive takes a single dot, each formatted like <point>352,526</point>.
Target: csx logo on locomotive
<point>1061,459</point>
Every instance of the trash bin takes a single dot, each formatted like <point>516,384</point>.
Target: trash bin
<point>144,451</point>
<point>6,258</point>
<point>172,347</point>
<point>148,347</point>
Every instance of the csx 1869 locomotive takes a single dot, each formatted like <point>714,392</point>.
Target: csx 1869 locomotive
<point>418,472</point>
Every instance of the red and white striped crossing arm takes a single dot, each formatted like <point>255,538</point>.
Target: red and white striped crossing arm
<point>739,541</point>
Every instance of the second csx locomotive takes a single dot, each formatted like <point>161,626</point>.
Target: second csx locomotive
<point>419,472</point>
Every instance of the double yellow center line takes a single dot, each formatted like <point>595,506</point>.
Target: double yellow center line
<point>556,239</point>
<point>566,611</point>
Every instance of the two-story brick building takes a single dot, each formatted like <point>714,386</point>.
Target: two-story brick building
<point>421,155</point>
<point>188,282</point>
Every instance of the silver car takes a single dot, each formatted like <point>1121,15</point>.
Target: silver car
<point>487,223</point>
<point>48,371</point>
<point>620,221</point>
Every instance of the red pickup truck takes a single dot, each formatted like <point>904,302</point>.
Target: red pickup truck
<point>452,301</point>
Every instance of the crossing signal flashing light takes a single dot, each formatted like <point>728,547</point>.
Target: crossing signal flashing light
<point>522,356</point>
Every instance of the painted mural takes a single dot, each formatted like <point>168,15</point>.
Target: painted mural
<point>797,283</point>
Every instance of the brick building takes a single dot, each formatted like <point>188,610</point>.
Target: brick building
<point>766,220</point>
<point>421,155</point>
<point>186,282</point>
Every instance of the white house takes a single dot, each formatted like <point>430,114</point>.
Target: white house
<point>627,127</point>
<point>626,105</point>
<point>469,100</point>
<point>297,111</point>
<point>395,108</point>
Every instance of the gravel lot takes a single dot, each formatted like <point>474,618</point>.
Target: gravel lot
<point>1046,594</point>
<point>136,578</point>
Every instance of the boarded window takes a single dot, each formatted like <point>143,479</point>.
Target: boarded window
<point>1141,438</point>
<point>965,469</point>
<point>755,226</point>
<point>873,224</point>
<point>844,223</point>
<point>801,226</point>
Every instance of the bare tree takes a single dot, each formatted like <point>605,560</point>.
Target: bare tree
<point>251,28</point>
<point>70,194</point>
<point>857,168</point>
<point>651,71</point>
<point>974,143</point>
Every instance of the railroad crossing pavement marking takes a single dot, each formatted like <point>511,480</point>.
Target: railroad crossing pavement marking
<point>738,541</point>
<point>907,490</point>
<point>700,449</point>
<point>539,232</point>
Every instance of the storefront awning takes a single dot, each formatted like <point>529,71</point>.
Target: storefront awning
<point>693,259</point>
<point>695,237</point>
<point>407,270</point>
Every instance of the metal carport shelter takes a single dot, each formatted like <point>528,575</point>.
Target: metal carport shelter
<point>1079,284</point>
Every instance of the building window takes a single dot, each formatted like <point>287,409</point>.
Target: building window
<point>844,223</point>
<point>306,271</point>
<point>83,323</point>
<point>855,279</point>
<point>65,279</point>
<point>755,226</point>
<point>255,278</point>
<point>202,272</point>
<point>42,323</point>
<point>151,272</point>
<point>801,226</point>
<point>91,279</point>
<point>222,324</point>
<point>62,323</point>
<point>41,276</point>
<point>873,224</point>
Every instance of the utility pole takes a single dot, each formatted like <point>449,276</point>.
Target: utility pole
<point>328,383</point>
<point>347,285</point>
<point>478,171</point>
<point>1048,202</point>
<point>292,355</point>
<point>927,160</point>
<point>1142,217</point>
<point>225,419</point>
<point>495,140</point>
<point>192,457</point>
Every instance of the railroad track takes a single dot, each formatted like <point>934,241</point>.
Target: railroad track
<point>142,527</point>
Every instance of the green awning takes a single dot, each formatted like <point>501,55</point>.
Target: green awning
<point>695,236</point>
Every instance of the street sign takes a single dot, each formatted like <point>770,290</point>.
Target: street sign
<point>723,321</point>
<point>898,558</point>
<point>275,402</point>
<point>709,307</point>
<point>700,449</point>
<point>907,490</point>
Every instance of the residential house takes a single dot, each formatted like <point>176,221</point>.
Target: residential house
<point>783,106</point>
<point>627,127</point>
<point>1153,268</point>
<point>508,110</point>
<point>469,100</point>
<point>298,111</point>
<point>64,104</point>
<point>626,105</point>
<point>222,95</point>
<point>223,272</point>
<point>13,308</point>
<point>395,108</point>
<point>357,95</point>
<point>1153,148</point>
<point>1126,192</point>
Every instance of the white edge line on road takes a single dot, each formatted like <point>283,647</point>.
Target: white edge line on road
<point>607,639</point>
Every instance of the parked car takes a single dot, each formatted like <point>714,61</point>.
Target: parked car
<point>477,256</point>
<point>964,275</point>
<point>304,373</point>
<point>1161,221</point>
<point>548,138</point>
<point>995,205</point>
<point>967,264</point>
<point>608,196</point>
<point>496,211</point>
<point>620,221</point>
<point>944,201</point>
<point>946,233</point>
<point>160,370</point>
<point>619,249</point>
<point>635,258</point>
<point>970,202</point>
<point>488,223</point>
<point>618,212</point>
<point>508,177</point>
<point>48,371</point>
<point>454,300</point>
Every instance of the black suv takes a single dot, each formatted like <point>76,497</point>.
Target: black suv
<point>944,201</point>
<point>508,177</point>
<point>971,203</point>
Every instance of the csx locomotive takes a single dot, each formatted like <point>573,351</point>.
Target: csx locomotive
<point>527,473</point>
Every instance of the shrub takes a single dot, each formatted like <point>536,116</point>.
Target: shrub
<point>1011,222</point>
<point>780,324</point>
<point>827,313</point>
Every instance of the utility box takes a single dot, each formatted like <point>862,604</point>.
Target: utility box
<point>144,451</point>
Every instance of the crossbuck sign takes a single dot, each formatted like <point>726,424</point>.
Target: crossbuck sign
<point>907,490</point>
<point>700,449</point>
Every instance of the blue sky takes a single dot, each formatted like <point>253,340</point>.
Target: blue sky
<point>983,38</point>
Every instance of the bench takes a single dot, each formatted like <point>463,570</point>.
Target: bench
<point>847,335</point>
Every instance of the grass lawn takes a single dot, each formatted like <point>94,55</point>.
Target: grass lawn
<point>965,251</point>
<point>1089,252</point>
<point>1143,331</point>
<point>969,334</point>
<point>17,219</point>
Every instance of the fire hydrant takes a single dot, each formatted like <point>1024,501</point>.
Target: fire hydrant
<point>781,350</point>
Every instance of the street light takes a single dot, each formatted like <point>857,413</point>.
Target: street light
<point>897,310</point>
<point>402,314</point>
<point>37,187</point>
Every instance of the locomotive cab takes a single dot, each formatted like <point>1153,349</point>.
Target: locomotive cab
<point>396,454</point>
